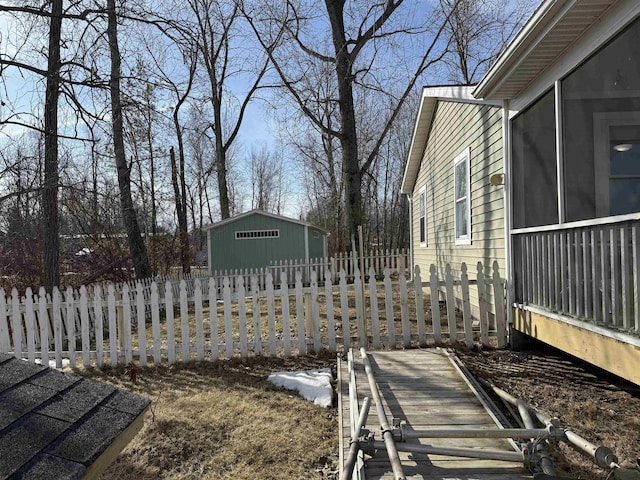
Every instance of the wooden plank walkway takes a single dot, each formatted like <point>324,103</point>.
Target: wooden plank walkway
<point>425,389</point>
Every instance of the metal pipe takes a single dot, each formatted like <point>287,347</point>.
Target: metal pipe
<point>390,445</point>
<point>546,463</point>
<point>477,433</point>
<point>347,471</point>
<point>457,452</point>
<point>601,455</point>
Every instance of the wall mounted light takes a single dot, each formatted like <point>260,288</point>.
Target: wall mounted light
<point>496,179</point>
<point>622,147</point>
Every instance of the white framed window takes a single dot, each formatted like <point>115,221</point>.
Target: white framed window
<point>255,234</point>
<point>422,215</point>
<point>462,198</point>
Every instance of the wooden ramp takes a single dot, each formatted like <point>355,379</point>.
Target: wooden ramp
<point>424,388</point>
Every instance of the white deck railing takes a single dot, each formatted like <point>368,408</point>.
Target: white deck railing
<point>103,326</point>
<point>589,270</point>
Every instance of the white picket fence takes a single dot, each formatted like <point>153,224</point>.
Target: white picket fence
<point>98,326</point>
<point>396,261</point>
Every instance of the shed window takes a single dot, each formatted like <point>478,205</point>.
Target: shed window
<point>253,234</point>
<point>422,211</point>
<point>462,187</point>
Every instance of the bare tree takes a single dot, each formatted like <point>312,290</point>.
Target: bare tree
<point>357,36</point>
<point>137,248</point>
<point>479,30</point>
<point>267,177</point>
<point>216,38</point>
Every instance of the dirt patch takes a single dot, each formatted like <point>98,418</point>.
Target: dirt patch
<point>219,420</point>
<point>603,409</point>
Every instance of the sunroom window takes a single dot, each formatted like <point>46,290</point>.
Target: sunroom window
<point>601,131</point>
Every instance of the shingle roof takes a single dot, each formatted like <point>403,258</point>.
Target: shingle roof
<point>55,425</point>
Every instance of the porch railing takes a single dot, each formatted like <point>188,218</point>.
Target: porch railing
<point>589,270</point>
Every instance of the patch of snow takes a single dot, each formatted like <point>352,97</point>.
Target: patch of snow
<point>52,363</point>
<point>313,385</point>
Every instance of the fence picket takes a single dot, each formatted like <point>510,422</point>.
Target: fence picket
<point>466,306</point>
<point>373,304</point>
<point>435,304</point>
<point>57,326</point>
<point>255,309</point>
<point>199,320</point>
<point>214,338</point>
<point>155,323</point>
<point>84,326</point>
<point>498,299</point>
<point>126,315</point>
<point>71,326</point>
<point>286,321</point>
<point>359,294</point>
<point>5,345</point>
<point>141,324</point>
<point>315,313</point>
<point>302,340</point>
<point>228,325</point>
<point>417,283</point>
<point>451,306</point>
<point>328,297</point>
<point>344,311</point>
<point>482,306</point>
<point>171,323</point>
<point>404,310</point>
<point>30,323</point>
<point>388,305</point>
<point>44,325</point>
<point>185,339</point>
<point>271,315</point>
<point>242,317</point>
<point>113,329</point>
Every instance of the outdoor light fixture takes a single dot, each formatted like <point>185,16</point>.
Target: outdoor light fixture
<point>622,147</point>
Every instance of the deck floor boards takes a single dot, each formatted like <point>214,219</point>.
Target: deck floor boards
<point>423,388</point>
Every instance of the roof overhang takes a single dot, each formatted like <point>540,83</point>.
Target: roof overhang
<point>266,214</point>
<point>552,29</point>
<point>428,102</point>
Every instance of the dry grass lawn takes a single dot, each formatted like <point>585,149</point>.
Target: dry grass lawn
<point>218,420</point>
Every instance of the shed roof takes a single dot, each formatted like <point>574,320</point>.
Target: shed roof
<point>551,30</point>
<point>430,98</point>
<point>260,212</point>
<point>58,425</point>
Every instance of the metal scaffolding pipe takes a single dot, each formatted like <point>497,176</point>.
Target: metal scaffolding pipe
<point>477,433</point>
<point>541,451</point>
<point>387,435</point>
<point>601,455</point>
<point>347,471</point>
<point>457,452</point>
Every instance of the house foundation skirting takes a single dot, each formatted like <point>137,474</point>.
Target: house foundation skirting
<point>612,351</point>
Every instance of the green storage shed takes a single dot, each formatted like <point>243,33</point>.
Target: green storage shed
<point>255,238</point>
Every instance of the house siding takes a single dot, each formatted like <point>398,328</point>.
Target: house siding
<point>456,127</point>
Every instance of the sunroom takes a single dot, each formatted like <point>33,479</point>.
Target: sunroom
<point>570,84</point>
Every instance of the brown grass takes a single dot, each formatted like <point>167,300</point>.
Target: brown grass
<point>218,420</point>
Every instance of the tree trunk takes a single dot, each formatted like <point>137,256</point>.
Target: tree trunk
<point>351,176</point>
<point>221,161</point>
<point>136,244</point>
<point>181,211</point>
<point>51,228</point>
